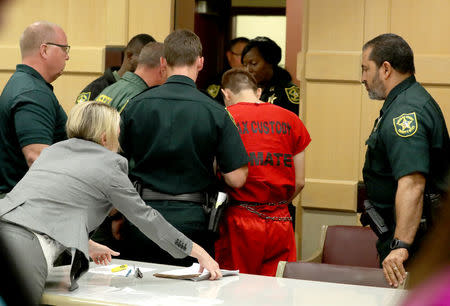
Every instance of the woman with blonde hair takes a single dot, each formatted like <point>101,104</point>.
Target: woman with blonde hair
<point>68,192</point>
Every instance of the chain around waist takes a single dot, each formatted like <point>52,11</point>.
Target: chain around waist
<point>251,207</point>
<point>253,204</point>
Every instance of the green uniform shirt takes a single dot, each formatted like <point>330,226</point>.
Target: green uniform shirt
<point>118,94</point>
<point>29,114</point>
<point>214,88</point>
<point>282,92</point>
<point>173,132</point>
<point>409,136</point>
<point>91,91</point>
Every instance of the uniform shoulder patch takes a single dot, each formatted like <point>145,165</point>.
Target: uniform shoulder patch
<point>104,99</point>
<point>272,99</point>
<point>293,94</point>
<point>213,90</point>
<point>406,125</point>
<point>83,97</point>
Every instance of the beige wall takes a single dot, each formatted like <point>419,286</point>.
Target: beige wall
<point>336,109</point>
<point>90,25</point>
<point>273,27</point>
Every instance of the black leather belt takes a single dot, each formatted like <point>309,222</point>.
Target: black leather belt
<point>196,197</point>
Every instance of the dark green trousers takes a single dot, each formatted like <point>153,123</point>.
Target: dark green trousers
<point>188,218</point>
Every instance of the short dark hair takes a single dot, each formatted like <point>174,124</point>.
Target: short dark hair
<point>182,48</point>
<point>138,42</point>
<point>237,40</point>
<point>238,79</point>
<point>268,49</point>
<point>393,49</point>
<point>150,54</point>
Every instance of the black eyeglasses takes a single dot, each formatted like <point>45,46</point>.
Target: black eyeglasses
<point>66,48</point>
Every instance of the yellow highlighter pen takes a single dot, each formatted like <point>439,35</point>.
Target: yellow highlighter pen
<point>119,268</point>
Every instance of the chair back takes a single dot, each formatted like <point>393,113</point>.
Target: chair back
<point>335,274</point>
<point>350,246</point>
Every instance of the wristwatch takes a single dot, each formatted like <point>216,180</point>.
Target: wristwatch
<point>398,244</point>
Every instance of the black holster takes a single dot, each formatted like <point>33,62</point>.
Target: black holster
<point>214,212</point>
<point>431,209</point>
<point>371,217</point>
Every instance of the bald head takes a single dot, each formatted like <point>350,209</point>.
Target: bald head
<point>36,34</point>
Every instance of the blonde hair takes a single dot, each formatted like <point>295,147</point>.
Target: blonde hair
<point>90,120</point>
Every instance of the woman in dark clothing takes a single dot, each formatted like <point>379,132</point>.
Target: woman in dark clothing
<point>261,57</point>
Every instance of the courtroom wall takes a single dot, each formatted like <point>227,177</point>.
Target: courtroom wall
<point>336,109</point>
<point>90,25</point>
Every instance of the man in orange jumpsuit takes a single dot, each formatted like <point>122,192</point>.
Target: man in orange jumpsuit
<point>256,231</point>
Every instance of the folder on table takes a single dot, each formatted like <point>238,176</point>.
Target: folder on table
<point>192,273</point>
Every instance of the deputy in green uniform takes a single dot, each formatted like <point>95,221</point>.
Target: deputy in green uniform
<point>174,133</point>
<point>129,63</point>
<point>149,72</point>
<point>31,117</point>
<point>261,57</point>
<point>233,54</point>
<point>408,150</point>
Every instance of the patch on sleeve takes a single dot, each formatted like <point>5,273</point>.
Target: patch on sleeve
<point>293,94</point>
<point>231,117</point>
<point>104,99</point>
<point>213,90</point>
<point>406,125</point>
<point>83,97</point>
<point>272,98</point>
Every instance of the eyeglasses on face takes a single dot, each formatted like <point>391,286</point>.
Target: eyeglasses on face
<point>66,48</point>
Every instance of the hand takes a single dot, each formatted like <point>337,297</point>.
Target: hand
<point>206,262</point>
<point>393,269</point>
<point>100,253</point>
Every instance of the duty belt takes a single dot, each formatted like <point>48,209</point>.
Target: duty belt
<point>196,197</point>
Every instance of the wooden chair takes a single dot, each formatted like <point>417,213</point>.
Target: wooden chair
<point>312,271</point>
<point>347,245</point>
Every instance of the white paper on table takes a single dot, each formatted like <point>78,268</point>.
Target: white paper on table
<point>192,273</point>
<point>107,270</point>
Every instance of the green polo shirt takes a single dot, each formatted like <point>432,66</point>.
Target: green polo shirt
<point>118,94</point>
<point>410,136</point>
<point>29,114</point>
<point>173,133</point>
